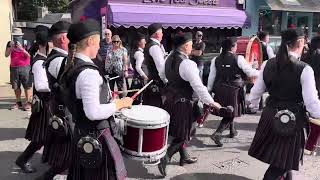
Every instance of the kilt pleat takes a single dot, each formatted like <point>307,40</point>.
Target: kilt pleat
<point>228,95</point>
<point>38,125</point>
<point>182,117</point>
<point>107,170</point>
<point>278,151</point>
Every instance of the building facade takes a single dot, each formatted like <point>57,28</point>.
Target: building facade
<point>6,21</point>
<point>275,16</point>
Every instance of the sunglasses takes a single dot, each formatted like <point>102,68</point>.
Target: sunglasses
<point>107,33</point>
<point>115,41</point>
<point>199,35</point>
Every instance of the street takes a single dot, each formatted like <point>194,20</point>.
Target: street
<point>230,162</point>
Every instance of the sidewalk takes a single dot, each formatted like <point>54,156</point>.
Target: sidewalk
<point>230,162</point>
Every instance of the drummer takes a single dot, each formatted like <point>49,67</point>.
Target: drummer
<point>226,82</point>
<point>184,80</point>
<point>312,58</point>
<point>91,107</point>
<point>291,86</point>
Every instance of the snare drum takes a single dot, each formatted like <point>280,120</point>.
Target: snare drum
<point>145,134</point>
<point>312,142</point>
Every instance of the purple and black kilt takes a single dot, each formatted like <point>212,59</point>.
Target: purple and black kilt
<point>278,151</point>
<point>183,116</point>
<point>38,125</point>
<point>228,95</point>
<point>112,167</point>
<point>58,151</point>
<point>152,98</point>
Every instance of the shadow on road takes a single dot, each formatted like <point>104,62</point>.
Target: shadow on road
<point>6,103</point>
<point>244,126</point>
<point>207,176</point>
<point>11,133</point>
<point>138,171</point>
<point>9,171</point>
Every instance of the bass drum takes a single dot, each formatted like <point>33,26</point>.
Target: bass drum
<point>251,49</point>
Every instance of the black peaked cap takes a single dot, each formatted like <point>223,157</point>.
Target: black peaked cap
<point>82,30</point>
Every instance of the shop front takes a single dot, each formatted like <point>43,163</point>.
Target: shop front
<point>275,16</point>
<point>216,18</point>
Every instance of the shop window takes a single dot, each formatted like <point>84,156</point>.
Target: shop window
<point>316,22</point>
<point>270,21</point>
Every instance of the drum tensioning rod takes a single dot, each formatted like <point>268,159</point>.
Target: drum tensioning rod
<point>140,141</point>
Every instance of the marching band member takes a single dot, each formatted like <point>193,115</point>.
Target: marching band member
<point>226,81</point>
<point>280,135</point>
<point>155,62</point>
<point>89,101</point>
<point>37,127</point>
<point>57,150</point>
<point>184,80</point>
<point>137,59</point>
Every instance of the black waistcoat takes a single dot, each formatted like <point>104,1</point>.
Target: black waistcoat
<point>52,80</point>
<point>265,55</point>
<point>75,105</point>
<point>284,85</point>
<point>176,84</point>
<point>152,71</point>
<point>41,95</point>
<point>227,69</point>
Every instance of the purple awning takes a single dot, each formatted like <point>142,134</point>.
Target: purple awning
<point>143,15</point>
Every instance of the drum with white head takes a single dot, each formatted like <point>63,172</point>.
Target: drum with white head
<point>145,134</point>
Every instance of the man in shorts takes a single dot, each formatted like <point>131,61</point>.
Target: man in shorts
<point>19,70</point>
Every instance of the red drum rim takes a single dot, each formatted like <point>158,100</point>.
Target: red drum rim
<point>314,121</point>
<point>145,116</point>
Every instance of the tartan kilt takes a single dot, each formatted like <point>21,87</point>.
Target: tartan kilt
<point>137,83</point>
<point>278,151</point>
<point>228,95</point>
<point>152,98</point>
<point>112,167</point>
<point>183,115</point>
<point>57,150</point>
<point>38,125</point>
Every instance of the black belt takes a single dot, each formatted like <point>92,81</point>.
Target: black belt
<point>93,126</point>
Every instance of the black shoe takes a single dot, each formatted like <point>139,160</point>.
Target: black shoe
<point>217,139</point>
<point>162,166</point>
<point>189,160</point>
<point>26,167</point>
<point>233,134</point>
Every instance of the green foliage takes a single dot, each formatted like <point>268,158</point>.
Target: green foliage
<point>27,9</point>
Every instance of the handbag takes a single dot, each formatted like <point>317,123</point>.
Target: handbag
<point>284,123</point>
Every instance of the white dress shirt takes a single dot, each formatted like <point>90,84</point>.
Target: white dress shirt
<point>55,64</point>
<point>139,57</point>
<point>156,52</point>
<point>188,70</point>
<point>242,64</point>
<point>269,50</point>
<point>88,87</point>
<point>309,91</point>
<point>40,79</point>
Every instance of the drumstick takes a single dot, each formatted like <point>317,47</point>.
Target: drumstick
<point>131,90</point>
<point>114,78</point>
<point>140,91</point>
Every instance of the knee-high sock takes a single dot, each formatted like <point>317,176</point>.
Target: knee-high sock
<point>274,173</point>
<point>31,149</point>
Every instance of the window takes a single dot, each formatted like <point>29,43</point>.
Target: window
<point>271,21</point>
<point>291,2</point>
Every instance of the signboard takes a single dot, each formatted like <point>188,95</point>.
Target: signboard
<point>189,3</point>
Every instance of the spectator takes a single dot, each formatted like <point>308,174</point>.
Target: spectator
<point>197,52</point>
<point>19,69</point>
<point>117,63</point>
<point>267,51</point>
<point>105,45</point>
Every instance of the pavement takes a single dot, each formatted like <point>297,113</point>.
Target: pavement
<point>230,162</point>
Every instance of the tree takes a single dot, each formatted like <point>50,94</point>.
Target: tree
<point>57,6</point>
